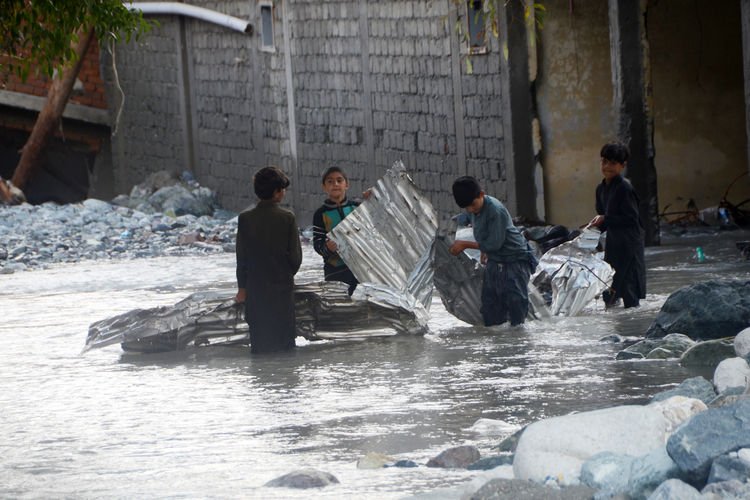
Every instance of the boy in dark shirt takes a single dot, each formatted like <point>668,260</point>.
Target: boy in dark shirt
<point>506,254</point>
<point>617,206</point>
<point>269,254</point>
<point>334,209</point>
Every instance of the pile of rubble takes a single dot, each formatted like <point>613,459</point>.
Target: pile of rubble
<point>164,215</point>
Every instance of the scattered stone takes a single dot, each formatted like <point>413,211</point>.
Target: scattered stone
<point>491,462</point>
<point>729,490</point>
<point>708,310</point>
<point>458,457</point>
<point>696,388</point>
<point>708,435</point>
<point>95,229</point>
<point>732,372</point>
<point>741,343</point>
<point>303,479</point>
<point>404,464</point>
<point>728,467</point>
<point>518,489</point>
<point>510,443</point>
<point>607,471</point>
<point>649,471</point>
<point>708,354</point>
<point>626,355</point>
<point>670,346</point>
<point>374,460</point>
<point>674,489</point>
<point>729,397</point>
<point>489,426</point>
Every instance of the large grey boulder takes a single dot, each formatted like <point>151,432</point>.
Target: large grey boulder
<point>732,373</point>
<point>708,435</point>
<point>708,310</point>
<point>708,354</point>
<point>303,479</point>
<point>458,457</point>
<point>517,489</point>
<point>559,446</point>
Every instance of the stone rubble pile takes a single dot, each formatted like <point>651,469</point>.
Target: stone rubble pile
<point>162,216</point>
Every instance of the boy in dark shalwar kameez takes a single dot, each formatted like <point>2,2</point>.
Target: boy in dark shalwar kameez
<point>269,254</point>
<point>617,206</point>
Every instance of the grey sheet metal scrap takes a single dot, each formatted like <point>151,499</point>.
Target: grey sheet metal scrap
<point>390,243</point>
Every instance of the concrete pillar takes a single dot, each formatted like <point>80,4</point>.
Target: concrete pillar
<point>632,105</point>
<point>517,110</point>
<point>745,5</point>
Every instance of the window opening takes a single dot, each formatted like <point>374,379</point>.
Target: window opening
<point>477,24</point>
<point>266,26</point>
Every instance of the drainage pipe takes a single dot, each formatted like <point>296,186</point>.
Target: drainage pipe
<point>181,9</point>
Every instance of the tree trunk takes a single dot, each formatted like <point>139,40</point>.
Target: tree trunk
<point>50,116</point>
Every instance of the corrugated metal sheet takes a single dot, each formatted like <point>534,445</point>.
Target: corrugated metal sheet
<point>387,239</point>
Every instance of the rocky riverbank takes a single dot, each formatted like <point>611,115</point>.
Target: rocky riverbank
<point>164,215</point>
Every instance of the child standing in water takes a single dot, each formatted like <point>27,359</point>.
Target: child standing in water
<point>269,254</point>
<point>334,209</point>
<point>617,206</point>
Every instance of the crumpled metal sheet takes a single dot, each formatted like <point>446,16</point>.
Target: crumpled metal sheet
<point>323,310</point>
<point>386,242</point>
<point>458,280</point>
<point>387,239</point>
<point>575,272</point>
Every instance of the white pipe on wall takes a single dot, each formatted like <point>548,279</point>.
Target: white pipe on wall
<point>181,9</point>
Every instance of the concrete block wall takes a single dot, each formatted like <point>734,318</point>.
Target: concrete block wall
<point>224,104</point>
<point>372,83</point>
<point>149,132</point>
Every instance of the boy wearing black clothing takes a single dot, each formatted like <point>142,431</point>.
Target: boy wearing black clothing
<point>335,208</point>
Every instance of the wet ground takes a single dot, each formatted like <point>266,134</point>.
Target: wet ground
<point>219,423</point>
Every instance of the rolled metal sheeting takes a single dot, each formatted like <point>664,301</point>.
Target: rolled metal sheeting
<point>323,310</point>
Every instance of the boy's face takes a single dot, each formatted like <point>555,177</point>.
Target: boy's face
<point>476,206</point>
<point>335,186</point>
<point>278,195</point>
<point>611,169</point>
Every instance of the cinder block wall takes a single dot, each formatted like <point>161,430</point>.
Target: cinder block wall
<point>371,83</point>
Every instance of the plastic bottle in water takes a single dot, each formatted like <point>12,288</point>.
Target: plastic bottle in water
<point>723,216</point>
<point>699,255</point>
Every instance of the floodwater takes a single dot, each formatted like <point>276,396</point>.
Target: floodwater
<point>218,423</point>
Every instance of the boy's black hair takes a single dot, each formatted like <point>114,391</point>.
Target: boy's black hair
<point>267,180</point>
<point>616,152</point>
<point>465,190</point>
<point>333,170</point>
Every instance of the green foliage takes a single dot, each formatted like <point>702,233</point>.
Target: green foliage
<point>39,34</point>
<point>488,17</point>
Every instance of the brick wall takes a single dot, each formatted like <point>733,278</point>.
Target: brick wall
<point>88,91</point>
